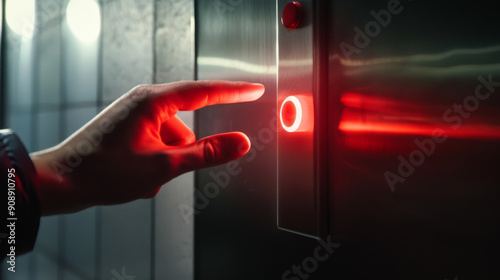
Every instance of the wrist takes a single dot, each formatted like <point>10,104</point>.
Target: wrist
<point>54,189</point>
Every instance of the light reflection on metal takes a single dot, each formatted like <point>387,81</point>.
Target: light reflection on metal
<point>249,67</point>
<point>363,113</point>
<point>452,54</point>
<point>236,64</point>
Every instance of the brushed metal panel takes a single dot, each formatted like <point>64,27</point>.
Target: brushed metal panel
<point>442,221</point>
<point>390,93</point>
<point>235,232</point>
<point>302,153</point>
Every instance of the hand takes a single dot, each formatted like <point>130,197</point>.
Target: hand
<point>136,145</point>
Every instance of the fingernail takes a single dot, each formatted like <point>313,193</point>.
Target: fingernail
<point>257,86</point>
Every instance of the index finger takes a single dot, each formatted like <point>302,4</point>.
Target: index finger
<point>182,96</point>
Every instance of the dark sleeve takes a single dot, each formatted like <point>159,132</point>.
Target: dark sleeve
<point>19,224</point>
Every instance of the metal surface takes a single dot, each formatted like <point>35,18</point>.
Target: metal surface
<point>437,217</point>
<point>301,186</point>
<point>390,92</point>
<point>235,232</point>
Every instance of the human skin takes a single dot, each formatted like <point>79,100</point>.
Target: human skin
<point>137,144</point>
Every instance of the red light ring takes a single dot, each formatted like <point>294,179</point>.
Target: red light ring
<point>298,113</point>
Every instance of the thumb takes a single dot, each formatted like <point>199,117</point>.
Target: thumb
<point>210,151</point>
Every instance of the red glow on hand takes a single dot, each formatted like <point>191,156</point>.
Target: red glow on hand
<point>163,132</point>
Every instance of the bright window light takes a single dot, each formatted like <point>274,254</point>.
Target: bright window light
<point>84,19</point>
<point>20,17</point>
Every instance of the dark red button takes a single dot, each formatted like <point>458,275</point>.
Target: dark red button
<point>291,114</point>
<point>292,13</point>
<point>288,114</point>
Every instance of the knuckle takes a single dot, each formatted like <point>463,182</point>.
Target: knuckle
<point>144,97</point>
<point>140,97</point>
<point>210,150</point>
<point>140,92</point>
<point>190,137</point>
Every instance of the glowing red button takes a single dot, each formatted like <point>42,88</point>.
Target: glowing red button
<point>291,114</point>
<point>292,13</point>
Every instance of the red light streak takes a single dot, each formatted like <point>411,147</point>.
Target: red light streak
<point>381,115</point>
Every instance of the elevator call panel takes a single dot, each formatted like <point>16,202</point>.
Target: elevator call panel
<point>301,95</point>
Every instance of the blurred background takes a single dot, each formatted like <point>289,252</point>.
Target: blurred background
<point>62,62</point>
